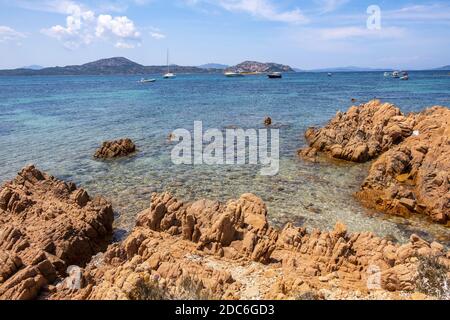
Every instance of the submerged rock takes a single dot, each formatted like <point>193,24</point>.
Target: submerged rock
<point>414,177</point>
<point>115,149</point>
<point>45,226</point>
<point>362,133</point>
<point>267,121</point>
<point>210,250</point>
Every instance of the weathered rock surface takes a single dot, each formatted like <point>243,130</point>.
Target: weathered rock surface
<point>267,121</point>
<point>360,134</point>
<point>414,177</point>
<point>412,171</point>
<point>45,226</point>
<point>115,149</point>
<point>207,249</point>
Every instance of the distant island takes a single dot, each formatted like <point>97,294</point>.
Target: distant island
<point>254,66</point>
<point>214,66</point>
<point>124,66</point>
<point>444,68</point>
<point>33,67</point>
<point>351,69</point>
<point>110,66</point>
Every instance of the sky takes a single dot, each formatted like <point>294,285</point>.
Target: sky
<point>310,34</point>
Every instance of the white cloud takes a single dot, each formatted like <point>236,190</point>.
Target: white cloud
<point>434,12</point>
<point>121,27</point>
<point>360,32</point>
<point>157,35</point>
<point>9,34</point>
<point>327,6</point>
<point>261,9</point>
<point>264,9</point>
<point>83,27</point>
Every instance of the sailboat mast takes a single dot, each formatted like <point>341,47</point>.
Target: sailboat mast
<point>168,68</point>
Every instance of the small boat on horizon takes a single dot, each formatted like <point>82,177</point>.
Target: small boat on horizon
<point>233,74</point>
<point>330,74</point>
<point>146,80</point>
<point>396,74</point>
<point>169,75</point>
<point>275,75</point>
<point>387,74</point>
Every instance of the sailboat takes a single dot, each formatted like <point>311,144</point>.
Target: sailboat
<point>168,75</point>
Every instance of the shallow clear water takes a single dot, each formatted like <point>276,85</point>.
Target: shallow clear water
<point>58,122</point>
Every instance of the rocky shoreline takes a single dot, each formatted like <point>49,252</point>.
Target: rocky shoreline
<point>411,169</point>
<point>47,225</point>
<point>211,250</point>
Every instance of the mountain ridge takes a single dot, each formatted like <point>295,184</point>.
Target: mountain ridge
<point>108,66</point>
<point>214,66</point>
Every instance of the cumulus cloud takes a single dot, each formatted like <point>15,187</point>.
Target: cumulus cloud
<point>83,27</point>
<point>9,34</point>
<point>121,27</point>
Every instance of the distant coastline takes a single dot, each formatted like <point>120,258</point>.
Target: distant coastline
<point>124,66</point>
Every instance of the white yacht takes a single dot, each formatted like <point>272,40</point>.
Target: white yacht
<point>233,74</point>
<point>147,80</point>
<point>168,75</point>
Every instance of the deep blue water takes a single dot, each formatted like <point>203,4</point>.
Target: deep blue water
<point>57,123</point>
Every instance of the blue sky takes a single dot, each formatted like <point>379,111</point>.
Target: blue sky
<point>304,34</point>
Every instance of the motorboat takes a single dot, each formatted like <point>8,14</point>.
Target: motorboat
<point>395,74</point>
<point>275,75</point>
<point>146,80</point>
<point>233,74</point>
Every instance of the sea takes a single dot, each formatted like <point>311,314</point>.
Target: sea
<point>57,122</point>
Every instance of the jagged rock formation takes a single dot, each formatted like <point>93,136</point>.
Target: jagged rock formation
<point>115,149</point>
<point>207,249</point>
<point>414,177</point>
<point>360,134</point>
<point>45,226</point>
<point>411,173</point>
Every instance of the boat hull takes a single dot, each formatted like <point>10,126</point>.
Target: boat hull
<point>233,75</point>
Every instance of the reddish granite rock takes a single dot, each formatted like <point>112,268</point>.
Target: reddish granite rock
<point>45,226</point>
<point>207,249</point>
<point>115,149</point>
<point>362,133</point>
<point>237,228</point>
<point>414,177</point>
<point>309,154</point>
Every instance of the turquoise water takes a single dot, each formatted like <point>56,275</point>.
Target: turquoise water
<point>58,122</point>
